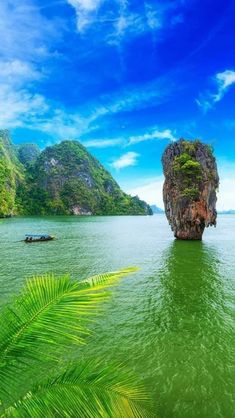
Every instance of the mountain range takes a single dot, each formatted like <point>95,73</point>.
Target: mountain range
<point>156,209</point>
<point>63,179</point>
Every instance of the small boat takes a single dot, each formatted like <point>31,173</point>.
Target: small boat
<point>38,238</point>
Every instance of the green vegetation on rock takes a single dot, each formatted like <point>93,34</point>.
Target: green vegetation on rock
<point>28,153</point>
<point>189,170</point>
<point>63,179</point>
<point>11,174</point>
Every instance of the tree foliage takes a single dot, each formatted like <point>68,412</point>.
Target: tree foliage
<point>11,174</point>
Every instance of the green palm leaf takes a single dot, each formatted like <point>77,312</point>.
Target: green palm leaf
<point>86,390</point>
<point>29,323</point>
<point>49,316</point>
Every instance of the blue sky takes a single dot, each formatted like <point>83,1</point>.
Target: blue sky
<point>124,77</point>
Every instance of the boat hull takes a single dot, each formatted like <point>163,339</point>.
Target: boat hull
<point>30,241</point>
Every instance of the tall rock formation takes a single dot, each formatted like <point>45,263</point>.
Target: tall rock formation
<point>189,190</point>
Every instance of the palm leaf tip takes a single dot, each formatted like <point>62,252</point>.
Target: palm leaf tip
<point>107,279</point>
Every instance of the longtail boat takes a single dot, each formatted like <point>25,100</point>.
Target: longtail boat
<point>29,238</point>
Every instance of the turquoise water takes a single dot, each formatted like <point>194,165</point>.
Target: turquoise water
<point>172,321</point>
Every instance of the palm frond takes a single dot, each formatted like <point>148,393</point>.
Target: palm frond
<point>86,390</point>
<point>104,280</point>
<point>49,315</point>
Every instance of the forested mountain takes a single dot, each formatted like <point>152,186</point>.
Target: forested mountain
<point>62,179</point>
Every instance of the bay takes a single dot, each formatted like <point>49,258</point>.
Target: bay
<point>172,321</point>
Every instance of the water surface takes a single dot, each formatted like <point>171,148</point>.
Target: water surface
<point>171,322</point>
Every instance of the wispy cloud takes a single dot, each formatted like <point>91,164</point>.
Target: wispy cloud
<point>29,41</point>
<point>85,12</point>
<point>137,97</point>
<point>126,160</point>
<point>118,20</point>
<point>102,143</point>
<point>17,71</point>
<point>153,16</point>
<point>22,107</point>
<point>19,107</point>
<point>151,134</point>
<point>154,134</point>
<point>223,82</point>
<point>25,33</point>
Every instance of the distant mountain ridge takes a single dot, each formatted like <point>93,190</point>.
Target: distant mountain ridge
<point>62,179</point>
<point>156,209</point>
<point>226,212</point>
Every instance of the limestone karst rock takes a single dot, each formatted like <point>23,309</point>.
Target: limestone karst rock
<point>189,190</point>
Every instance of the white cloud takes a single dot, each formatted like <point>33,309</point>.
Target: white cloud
<point>126,160</point>
<point>153,17</point>
<point>150,190</point>
<point>130,23</point>
<point>102,143</point>
<point>203,103</point>
<point>24,32</point>
<point>27,39</point>
<point>19,107</point>
<point>155,134</point>
<point>139,97</point>
<point>85,12</point>
<point>17,71</point>
<point>223,82</point>
<point>118,19</point>
<point>125,141</point>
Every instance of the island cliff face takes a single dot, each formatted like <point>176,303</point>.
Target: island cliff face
<point>189,190</point>
<point>66,179</point>
<point>11,174</point>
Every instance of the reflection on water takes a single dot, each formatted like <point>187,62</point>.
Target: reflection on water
<point>193,348</point>
<point>171,322</point>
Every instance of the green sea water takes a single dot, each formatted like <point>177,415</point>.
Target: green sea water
<point>172,321</point>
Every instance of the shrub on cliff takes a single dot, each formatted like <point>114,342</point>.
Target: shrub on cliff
<point>189,170</point>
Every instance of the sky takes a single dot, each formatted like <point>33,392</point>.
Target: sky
<point>123,77</point>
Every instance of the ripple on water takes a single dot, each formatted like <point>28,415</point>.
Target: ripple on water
<point>172,322</point>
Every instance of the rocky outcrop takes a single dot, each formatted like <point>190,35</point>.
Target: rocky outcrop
<point>189,190</point>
